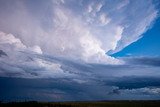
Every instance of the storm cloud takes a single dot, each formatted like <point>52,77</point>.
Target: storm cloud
<point>85,31</point>
<point>58,50</point>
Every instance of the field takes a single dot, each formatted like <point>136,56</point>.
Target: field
<point>84,104</point>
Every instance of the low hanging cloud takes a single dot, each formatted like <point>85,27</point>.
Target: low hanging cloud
<point>86,31</point>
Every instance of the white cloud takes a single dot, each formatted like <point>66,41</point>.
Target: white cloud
<point>90,8</point>
<point>123,4</point>
<point>104,19</point>
<point>94,7</point>
<point>9,43</point>
<point>60,29</point>
<point>9,39</point>
<point>141,21</point>
<point>36,49</point>
<point>99,6</point>
<point>145,91</point>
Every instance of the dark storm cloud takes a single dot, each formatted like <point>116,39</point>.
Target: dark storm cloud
<point>89,82</point>
<point>150,61</point>
<point>2,53</point>
<point>64,89</point>
<point>132,82</point>
<point>31,65</point>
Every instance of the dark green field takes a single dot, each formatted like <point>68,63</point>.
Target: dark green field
<point>84,104</point>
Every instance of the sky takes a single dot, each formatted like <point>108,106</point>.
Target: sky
<point>79,50</point>
<point>147,46</point>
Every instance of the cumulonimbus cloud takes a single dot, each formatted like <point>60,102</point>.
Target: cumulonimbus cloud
<point>84,30</point>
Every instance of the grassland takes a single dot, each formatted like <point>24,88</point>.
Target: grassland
<point>84,104</point>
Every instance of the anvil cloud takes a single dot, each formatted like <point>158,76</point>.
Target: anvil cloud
<point>83,30</point>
